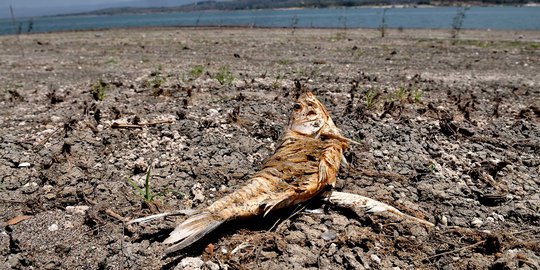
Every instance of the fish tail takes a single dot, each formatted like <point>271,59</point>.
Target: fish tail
<point>191,230</point>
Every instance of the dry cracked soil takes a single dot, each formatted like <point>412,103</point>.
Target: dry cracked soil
<point>449,132</point>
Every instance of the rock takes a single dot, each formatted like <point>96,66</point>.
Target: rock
<point>477,223</point>
<point>444,221</point>
<point>50,196</point>
<point>378,154</point>
<point>328,235</point>
<point>77,210</point>
<point>53,227</point>
<point>24,165</point>
<point>190,263</point>
<point>198,192</point>
<point>4,243</point>
<point>295,237</point>
<point>211,265</point>
<point>30,187</point>
<point>375,258</point>
<point>14,260</point>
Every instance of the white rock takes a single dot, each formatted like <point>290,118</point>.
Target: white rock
<point>77,210</point>
<point>211,265</point>
<point>444,220</point>
<point>213,112</point>
<point>53,227</point>
<point>375,258</point>
<point>191,263</point>
<point>24,164</point>
<point>476,222</point>
<point>328,235</point>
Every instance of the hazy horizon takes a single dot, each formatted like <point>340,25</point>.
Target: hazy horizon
<point>35,8</point>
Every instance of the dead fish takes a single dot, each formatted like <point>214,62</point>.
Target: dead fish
<point>304,164</point>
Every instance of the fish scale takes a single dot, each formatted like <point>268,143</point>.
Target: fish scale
<point>303,165</point>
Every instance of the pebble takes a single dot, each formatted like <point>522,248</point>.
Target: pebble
<point>53,227</point>
<point>50,196</point>
<point>375,258</point>
<point>190,263</point>
<point>328,235</point>
<point>24,164</point>
<point>77,210</point>
<point>378,154</point>
<point>211,265</point>
<point>476,222</point>
<point>198,192</point>
<point>444,220</point>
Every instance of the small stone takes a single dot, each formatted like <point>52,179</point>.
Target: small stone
<point>269,254</point>
<point>378,154</point>
<point>332,249</point>
<point>77,210</point>
<point>191,263</point>
<point>53,227</point>
<point>476,222</point>
<point>68,225</point>
<point>24,164</point>
<point>14,260</point>
<point>328,235</point>
<point>50,196</point>
<point>444,221</point>
<point>30,187</point>
<point>375,258</point>
<point>211,265</point>
<point>296,237</point>
<point>198,192</point>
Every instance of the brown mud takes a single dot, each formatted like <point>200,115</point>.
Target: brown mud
<point>449,132</point>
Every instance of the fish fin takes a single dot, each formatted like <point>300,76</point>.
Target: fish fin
<point>279,201</point>
<point>191,230</point>
<point>187,212</point>
<point>370,205</point>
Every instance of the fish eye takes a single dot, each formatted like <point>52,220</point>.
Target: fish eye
<point>297,106</point>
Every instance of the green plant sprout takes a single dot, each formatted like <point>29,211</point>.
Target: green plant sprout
<point>196,71</point>
<point>147,195</point>
<point>224,76</point>
<point>99,90</point>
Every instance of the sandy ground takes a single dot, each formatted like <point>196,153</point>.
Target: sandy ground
<point>449,132</point>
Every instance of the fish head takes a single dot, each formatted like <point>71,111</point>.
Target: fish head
<point>310,117</point>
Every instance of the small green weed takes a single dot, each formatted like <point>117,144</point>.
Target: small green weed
<point>157,80</point>
<point>224,76</point>
<point>338,37</point>
<point>112,61</point>
<point>401,93</point>
<point>370,97</point>
<point>417,95</point>
<point>276,84</point>
<point>145,194</point>
<point>432,168</point>
<point>196,71</point>
<point>284,62</point>
<point>99,90</point>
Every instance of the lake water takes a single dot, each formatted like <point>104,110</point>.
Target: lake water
<point>514,18</point>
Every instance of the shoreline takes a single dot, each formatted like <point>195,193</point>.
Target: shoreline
<point>465,34</point>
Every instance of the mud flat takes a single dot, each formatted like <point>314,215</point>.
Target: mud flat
<point>449,132</point>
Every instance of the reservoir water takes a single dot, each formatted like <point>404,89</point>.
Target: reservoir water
<point>495,18</point>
